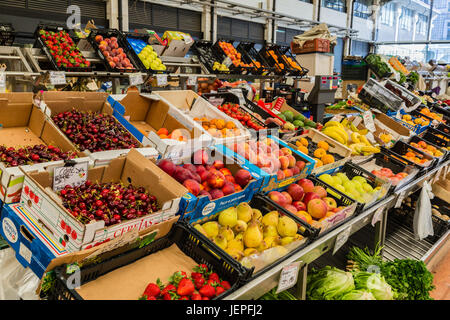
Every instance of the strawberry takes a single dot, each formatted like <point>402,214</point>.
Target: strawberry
<point>201,268</point>
<point>207,291</point>
<point>205,298</point>
<point>168,288</point>
<point>196,296</point>
<point>214,276</point>
<point>177,277</point>
<point>171,295</point>
<point>152,290</point>
<point>183,298</point>
<point>196,275</point>
<point>151,298</point>
<point>212,283</point>
<point>185,287</point>
<point>219,290</point>
<point>226,285</point>
<point>199,283</point>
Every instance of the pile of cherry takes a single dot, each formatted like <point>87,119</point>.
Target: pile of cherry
<point>110,202</point>
<point>29,155</point>
<point>94,131</point>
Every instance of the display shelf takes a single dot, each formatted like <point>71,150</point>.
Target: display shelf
<point>269,280</point>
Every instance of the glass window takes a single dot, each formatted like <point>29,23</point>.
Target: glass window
<point>406,18</point>
<point>338,5</point>
<point>422,24</point>
<point>361,8</point>
<point>448,30</point>
<point>307,1</point>
<point>387,14</point>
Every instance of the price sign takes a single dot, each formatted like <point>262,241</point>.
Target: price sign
<point>400,198</point>
<point>368,121</point>
<point>2,81</point>
<point>161,79</point>
<point>57,78</point>
<point>75,175</point>
<point>341,239</point>
<point>192,81</point>
<point>288,277</point>
<point>136,79</point>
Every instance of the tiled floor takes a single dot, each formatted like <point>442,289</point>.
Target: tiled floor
<point>442,279</point>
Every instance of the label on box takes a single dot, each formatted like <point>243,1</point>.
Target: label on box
<point>161,80</point>
<point>73,176</point>
<point>278,104</point>
<point>368,121</point>
<point>57,77</point>
<point>136,79</point>
<point>341,239</point>
<point>10,230</point>
<point>192,80</point>
<point>25,253</point>
<point>239,94</point>
<point>288,277</point>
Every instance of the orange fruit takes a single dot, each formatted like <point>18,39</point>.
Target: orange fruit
<point>323,145</point>
<point>418,120</point>
<point>327,159</point>
<point>422,144</point>
<point>304,141</point>
<point>431,148</point>
<point>230,125</point>
<point>410,154</point>
<point>319,153</point>
<point>303,149</point>
<point>220,124</point>
<point>319,163</point>
<point>162,131</point>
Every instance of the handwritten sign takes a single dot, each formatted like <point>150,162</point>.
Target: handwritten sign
<point>368,121</point>
<point>74,176</point>
<point>161,79</point>
<point>192,80</point>
<point>57,77</point>
<point>136,79</point>
<point>288,277</point>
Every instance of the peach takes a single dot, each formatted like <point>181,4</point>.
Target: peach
<point>237,187</point>
<point>286,151</point>
<point>300,164</point>
<point>280,175</point>
<point>205,193</point>
<point>295,170</point>
<point>320,191</point>
<point>193,186</point>
<point>218,164</point>
<point>216,194</point>
<point>216,179</point>
<point>288,173</point>
<point>292,161</point>
<point>284,162</point>
<point>190,167</point>
<point>204,176</point>
<point>242,177</point>
<point>331,203</point>
<point>167,166</point>
<point>230,179</point>
<point>226,171</point>
<point>200,168</point>
<point>306,184</point>
<point>287,196</point>
<point>228,188</point>
<point>278,197</point>
<point>296,192</point>
<point>299,205</point>
<point>317,208</point>
<point>200,157</point>
<point>206,187</point>
<point>290,208</point>
<point>310,196</point>
<point>181,174</point>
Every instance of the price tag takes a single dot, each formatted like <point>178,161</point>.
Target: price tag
<point>75,175</point>
<point>57,77</point>
<point>337,118</point>
<point>227,62</point>
<point>377,215</point>
<point>192,80</point>
<point>288,277</point>
<point>400,198</point>
<point>368,121</point>
<point>161,79</point>
<point>341,239</point>
<point>136,79</point>
<point>357,121</point>
<point>2,81</point>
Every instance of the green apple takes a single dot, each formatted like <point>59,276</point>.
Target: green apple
<point>349,185</point>
<point>327,178</point>
<point>337,179</point>
<point>360,179</point>
<point>340,188</point>
<point>367,187</point>
<point>342,176</point>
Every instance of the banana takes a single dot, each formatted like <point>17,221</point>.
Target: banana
<point>353,128</point>
<point>333,124</point>
<point>333,134</point>
<point>355,137</point>
<point>344,122</point>
<point>340,132</point>
<point>370,149</point>
<point>364,139</point>
<point>363,132</point>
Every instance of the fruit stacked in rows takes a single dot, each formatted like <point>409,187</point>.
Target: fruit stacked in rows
<point>110,202</point>
<point>114,55</point>
<point>427,148</point>
<point>243,231</point>
<point>177,134</point>
<point>219,128</point>
<point>13,157</point>
<point>415,121</point>
<point>267,155</point>
<point>63,49</point>
<point>202,284</point>
<point>203,177</point>
<point>415,157</point>
<point>294,122</point>
<point>433,115</point>
<point>236,112</point>
<point>346,133</point>
<point>320,152</point>
<point>292,63</point>
<point>310,203</point>
<point>387,174</point>
<point>94,131</point>
<point>150,59</point>
<point>233,54</point>
<point>356,188</point>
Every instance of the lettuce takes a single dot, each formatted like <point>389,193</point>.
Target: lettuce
<point>329,283</point>
<point>358,295</point>
<point>374,283</point>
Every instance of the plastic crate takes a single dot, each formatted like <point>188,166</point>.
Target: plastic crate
<point>284,52</point>
<point>310,46</point>
<point>143,38</point>
<point>374,68</point>
<point>443,128</point>
<point>107,33</point>
<point>352,170</point>
<point>354,70</point>
<point>227,61</point>
<point>202,49</point>
<point>273,59</point>
<point>250,55</point>
<point>379,97</point>
<point>438,160</point>
<point>410,99</point>
<point>7,34</point>
<point>400,148</point>
<point>41,44</point>
<point>189,243</point>
<point>417,129</point>
<point>431,135</point>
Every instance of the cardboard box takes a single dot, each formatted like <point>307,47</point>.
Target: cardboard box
<point>194,106</point>
<point>23,124</point>
<point>34,245</point>
<point>270,182</point>
<point>55,102</point>
<point>178,43</point>
<point>318,64</point>
<point>144,115</point>
<point>384,123</point>
<point>134,168</point>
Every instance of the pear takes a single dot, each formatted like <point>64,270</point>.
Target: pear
<point>240,236</point>
<point>221,242</point>
<point>200,228</point>
<point>240,226</point>
<point>257,215</point>
<point>270,231</point>
<point>250,251</point>
<point>286,240</point>
<point>228,217</point>
<point>253,236</point>
<point>271,218</point>
<point>244,212</point>
<point>211,228</point>
<point>286,227</point>
<point>272,241</point>
<point>237,244</point>
<point>263,246</point>
<point>235,253</point>
<point>227,233</point>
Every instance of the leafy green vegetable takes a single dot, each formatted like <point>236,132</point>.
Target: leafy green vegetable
<point>358,295</point>
<point>283,295</point>
<point>328,283</point>
<point>364,260</point>
<point>374,283</point>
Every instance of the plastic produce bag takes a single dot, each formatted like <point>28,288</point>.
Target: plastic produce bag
<point>16,282</point>
<point>423,224</point>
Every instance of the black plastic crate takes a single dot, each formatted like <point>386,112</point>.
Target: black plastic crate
<point>284,52</point>
<point>375,70</point>
<point>438,160</point>
<point>440,109</point>
<point>108,33</point>
<point>41,44</point>
<point>444,129</point>
<point>400,148</point>
<point>264,52</point>
<point>265,205</point>
<point>189,243</point>
<point>387,161</point>
<point>202,49</point>
<point>431,135</point>
<point>223,58</point>
<point>7,34</point>
<point>354,70</point>
<point>250,55</point>
<point>130,49</point>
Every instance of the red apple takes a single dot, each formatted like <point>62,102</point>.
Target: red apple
<point>297,193</point>
<point>242,177</point>
<point>306,184</point>
<point>320,191</point>
<point>310,196</point>
<point>299,205</point>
